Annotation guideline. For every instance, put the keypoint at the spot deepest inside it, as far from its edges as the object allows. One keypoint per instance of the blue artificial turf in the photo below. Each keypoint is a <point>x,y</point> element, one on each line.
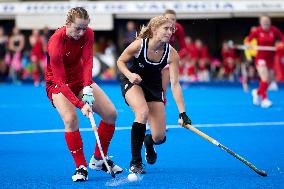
<point>186,160</point>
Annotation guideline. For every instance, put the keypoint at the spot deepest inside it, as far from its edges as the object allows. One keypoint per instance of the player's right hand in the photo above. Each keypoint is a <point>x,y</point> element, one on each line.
<point>134,78</point>
<point>86,109</point>
<point>185,119</point>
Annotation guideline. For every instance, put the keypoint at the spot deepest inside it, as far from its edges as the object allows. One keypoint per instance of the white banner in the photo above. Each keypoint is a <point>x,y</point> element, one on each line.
<point>151,7</point>
<point>102,22</point>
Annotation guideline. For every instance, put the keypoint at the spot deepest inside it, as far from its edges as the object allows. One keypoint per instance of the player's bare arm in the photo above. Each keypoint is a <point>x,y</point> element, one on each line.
<point>127,54</point>
<point>174,78</point>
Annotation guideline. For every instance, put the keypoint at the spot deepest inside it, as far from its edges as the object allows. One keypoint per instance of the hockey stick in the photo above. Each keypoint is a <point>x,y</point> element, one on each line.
<point>245,47</point>
<point>215,142</point>
<point>92,120</point>
<point>261,48</point>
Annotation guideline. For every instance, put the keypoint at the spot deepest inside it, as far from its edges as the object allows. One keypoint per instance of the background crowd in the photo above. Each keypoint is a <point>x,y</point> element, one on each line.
<point>22,57</point>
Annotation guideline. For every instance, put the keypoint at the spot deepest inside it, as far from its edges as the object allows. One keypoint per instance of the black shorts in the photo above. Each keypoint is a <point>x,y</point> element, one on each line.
<point>152,94</point>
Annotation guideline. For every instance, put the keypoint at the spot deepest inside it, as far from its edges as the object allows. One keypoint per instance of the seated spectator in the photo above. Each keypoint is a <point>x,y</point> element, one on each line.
<point>37,57</point>
<point>202,61</point>
<point>228,62</point>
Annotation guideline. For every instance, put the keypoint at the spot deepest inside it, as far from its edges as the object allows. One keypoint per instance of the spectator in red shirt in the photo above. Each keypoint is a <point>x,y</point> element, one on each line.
<point>69,85</point>
<point>228,60</point>
<point>188,63</point>
<point>37,57</point>
<point>202,60</point>
<point>191,48</point>
<point>266,35</point>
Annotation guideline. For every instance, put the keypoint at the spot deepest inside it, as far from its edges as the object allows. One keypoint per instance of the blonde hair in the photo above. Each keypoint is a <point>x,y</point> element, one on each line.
<point>147,31</point>
<point>77,12</point>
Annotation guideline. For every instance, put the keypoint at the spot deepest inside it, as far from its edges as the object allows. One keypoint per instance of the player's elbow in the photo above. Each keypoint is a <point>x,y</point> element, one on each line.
<point>120,64</point>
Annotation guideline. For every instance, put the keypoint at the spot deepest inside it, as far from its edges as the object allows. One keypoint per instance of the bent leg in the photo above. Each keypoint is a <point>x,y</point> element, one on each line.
<point>103,105</point>
<point>106,110</point>
<point>158,128</point>
<point>158,121</point>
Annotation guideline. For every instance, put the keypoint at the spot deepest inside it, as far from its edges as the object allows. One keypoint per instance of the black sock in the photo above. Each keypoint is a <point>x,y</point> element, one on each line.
<point>148,140</point>
<point>137,138</point>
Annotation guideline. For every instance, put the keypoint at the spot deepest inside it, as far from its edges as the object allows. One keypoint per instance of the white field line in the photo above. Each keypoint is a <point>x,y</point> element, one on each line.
<point>168,126</point>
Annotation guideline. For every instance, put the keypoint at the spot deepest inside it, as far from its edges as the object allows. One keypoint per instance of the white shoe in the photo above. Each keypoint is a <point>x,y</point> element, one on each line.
<point>81,174</point>
<point>99,165</point>
<point>266,103</point>
<point>255,97</point>
<point>273,86</point>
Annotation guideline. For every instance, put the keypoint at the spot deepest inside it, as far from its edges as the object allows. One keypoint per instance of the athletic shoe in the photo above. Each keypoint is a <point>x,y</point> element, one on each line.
<point>266,103</point>
<point>273,86</point>
<point>255,97</point>
<point>81,174</point>
<point>98,164</point>
<point>137,167</point>
<point>150,153</point>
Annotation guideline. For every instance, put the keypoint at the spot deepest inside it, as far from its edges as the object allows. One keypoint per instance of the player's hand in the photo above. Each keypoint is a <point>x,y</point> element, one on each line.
<point>134,78</point>
<point>86,109</point>
<point>184,119</point>
<point>88,95</point>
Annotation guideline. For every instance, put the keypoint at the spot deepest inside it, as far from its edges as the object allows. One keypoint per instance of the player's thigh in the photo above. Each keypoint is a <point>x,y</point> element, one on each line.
<point>157,117</point>
<point>103,105</point>
<point>65,108</point>
<point>136,99</point>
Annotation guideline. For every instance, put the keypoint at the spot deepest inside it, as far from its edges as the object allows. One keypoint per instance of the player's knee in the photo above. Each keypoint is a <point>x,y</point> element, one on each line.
<point>142,115</point>
<point>111,116</point>
<point>159,140</point>
<point>70,120</point>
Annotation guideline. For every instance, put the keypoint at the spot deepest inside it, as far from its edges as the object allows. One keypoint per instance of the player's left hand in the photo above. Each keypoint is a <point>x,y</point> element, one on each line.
<point>185,119</point>
<point>88,96</point>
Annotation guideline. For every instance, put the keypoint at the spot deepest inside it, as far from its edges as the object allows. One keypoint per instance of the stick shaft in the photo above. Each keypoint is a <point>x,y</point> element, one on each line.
<point>261,48</point>
<point>213,141</point>
<point>93,123</point>
<point>239,157</point>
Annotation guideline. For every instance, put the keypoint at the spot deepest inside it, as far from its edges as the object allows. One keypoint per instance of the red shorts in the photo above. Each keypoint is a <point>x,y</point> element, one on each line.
<point>268,62</point>
<point>51,88</point>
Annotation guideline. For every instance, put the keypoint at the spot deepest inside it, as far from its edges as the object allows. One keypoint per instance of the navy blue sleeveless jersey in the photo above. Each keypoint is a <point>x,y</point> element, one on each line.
<point>149,71</point>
